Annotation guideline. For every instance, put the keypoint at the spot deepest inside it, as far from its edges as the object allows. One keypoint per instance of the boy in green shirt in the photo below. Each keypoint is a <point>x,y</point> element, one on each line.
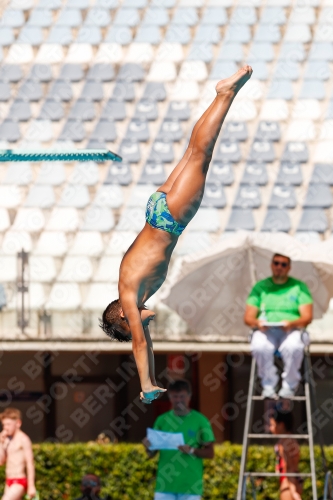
<point>277,309</point>
<point>180,472</point>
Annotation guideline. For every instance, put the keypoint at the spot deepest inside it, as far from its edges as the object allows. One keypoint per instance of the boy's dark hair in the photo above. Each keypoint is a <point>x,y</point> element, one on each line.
<point>180,385</point>
<point>112,321</point>
<point>285,417</point>
<point>284,256</point>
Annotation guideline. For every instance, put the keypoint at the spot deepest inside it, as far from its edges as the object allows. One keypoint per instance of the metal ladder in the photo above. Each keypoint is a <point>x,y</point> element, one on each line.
<point>243,474</point>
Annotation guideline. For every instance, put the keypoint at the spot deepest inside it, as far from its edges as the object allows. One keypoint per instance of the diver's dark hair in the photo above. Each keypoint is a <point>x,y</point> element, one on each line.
<point>285,417</point>
<point>111,321</point>
<point>180,385</point>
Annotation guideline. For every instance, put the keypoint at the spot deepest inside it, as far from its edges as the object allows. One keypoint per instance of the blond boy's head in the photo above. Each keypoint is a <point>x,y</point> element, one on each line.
<point>11,420</point>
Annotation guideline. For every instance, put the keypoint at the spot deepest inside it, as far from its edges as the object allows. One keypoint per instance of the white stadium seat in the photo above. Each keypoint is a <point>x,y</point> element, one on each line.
<point>64,297</point>
<point>76,268</point>
<point>52,243</point>
<point>108,269</point>
<point>89,243</point>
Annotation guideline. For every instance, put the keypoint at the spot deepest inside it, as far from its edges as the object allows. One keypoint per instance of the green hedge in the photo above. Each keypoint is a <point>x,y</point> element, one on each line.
<point>127,474</point>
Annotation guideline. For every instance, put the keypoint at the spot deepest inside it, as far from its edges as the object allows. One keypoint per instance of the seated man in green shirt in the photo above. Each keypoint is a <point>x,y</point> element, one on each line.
<point>180,472</point>
<point>277,309</point>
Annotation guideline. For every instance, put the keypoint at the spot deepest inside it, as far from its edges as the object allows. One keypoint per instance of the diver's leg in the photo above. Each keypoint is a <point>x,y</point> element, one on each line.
<point>186,192</point>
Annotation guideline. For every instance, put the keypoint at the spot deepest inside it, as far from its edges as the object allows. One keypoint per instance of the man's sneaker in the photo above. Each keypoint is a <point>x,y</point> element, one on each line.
<point>286,393</point>
<point>269,392</point>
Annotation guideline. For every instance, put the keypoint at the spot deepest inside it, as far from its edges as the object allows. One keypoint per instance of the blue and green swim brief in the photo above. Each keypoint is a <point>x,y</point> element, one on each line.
<point>158,215</point>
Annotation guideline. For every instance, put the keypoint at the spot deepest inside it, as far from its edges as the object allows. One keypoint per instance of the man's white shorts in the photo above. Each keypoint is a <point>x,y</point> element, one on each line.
<point>175,496</point>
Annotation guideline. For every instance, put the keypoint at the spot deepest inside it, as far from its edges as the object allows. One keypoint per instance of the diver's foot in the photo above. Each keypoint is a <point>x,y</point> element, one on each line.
<point>235,82</point>
<point>149,397</point>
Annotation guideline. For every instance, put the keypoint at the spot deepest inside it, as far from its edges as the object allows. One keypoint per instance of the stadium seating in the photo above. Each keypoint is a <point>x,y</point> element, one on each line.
<point>134,76</point>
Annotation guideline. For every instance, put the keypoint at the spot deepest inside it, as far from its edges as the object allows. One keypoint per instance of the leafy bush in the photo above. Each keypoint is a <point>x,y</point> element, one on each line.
<point>127,474</point>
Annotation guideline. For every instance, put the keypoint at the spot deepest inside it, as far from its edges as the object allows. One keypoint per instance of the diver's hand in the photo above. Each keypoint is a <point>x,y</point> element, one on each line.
<point>153,393</point>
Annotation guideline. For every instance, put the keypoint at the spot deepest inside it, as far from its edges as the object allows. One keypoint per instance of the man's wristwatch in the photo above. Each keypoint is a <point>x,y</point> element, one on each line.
<point>192,450</point>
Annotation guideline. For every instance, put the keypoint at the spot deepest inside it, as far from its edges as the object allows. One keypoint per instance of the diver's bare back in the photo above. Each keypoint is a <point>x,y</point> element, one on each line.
<point>145,264</point>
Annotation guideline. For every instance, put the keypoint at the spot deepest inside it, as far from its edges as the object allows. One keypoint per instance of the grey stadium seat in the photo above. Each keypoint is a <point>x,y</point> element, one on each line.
<point>41,196</point>
<point>178,110</point>
<point>60,91</point>
<point>255,173</point>
<point>240,218</point>
<point>153,173</point>
<point>321,51</point>
<point>42,18</point>
<point>170,130</point>
<point>235,131</point>
<point>30,91</point>
<point>41,73</point>
<point>74,195</point>
<point>215,15</point>
<point>281,89</point>
<point>52,110</point>
<point>282,197</point>
<point>119,34</point>
<point>273,15</point>
<point>71,73</point>
<point>20,111</point>
<point>127,17</point>
<point>262,151</point>
<point>19,174</point>
<point>131,72</point>
<point>214,196</point>
<point>267,33</point>
<point>293,51</point>
<point>156,16</point>
<point>105,130</point>
<point>119,173</point>
<point>154,91</point>
<point>130,151</point>
<point>97,17</point>
<point>49,4</point>
<point>231,52</point>
<point>12,18</point>
<point>268,131</point>
<point>31,34</point>
<point>114,110</point>
<point>318,196</point>
<point>222,69</point>
<point>161,151</point>
<point>312,89</point>
<point>244,15</point>
<point>221,172</point>
<point>295,152</point>
<point>286,70</point>
<point>60,34</point>
<point>329,111</point>
<point>6,35</point>
<point>138,130</point>
<point>5,92</point>
<point>78,4</point>
<point>322,173</point>
<point>290,174</point>
<point>201,52</point>
<point>98,219</point>
<point>146,110</point>
<point>207,34</point>
<point>101,73</point>
<point>276,220</point>
<point>82,110</point>
<point>238,33</point>
<point>92,91</point>
<point>259,68</point>
<point>248,196</point>
<point>228,151</point>
<point>9,131</point>
<point>185,15</point>
<point>177,33</point>
<point>138,4</point>
<point>11,73</point>
<point>124,91</point>
<point>317,69</point>
<point>70,17</point>
<point>262,51</point>
<point>73,131</point>
<point>96,144</point>
<point>148,34</point>
<point>313,219</point>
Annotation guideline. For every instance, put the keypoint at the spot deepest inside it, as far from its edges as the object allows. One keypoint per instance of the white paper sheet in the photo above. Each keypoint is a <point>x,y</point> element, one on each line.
<point>160,440</point>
